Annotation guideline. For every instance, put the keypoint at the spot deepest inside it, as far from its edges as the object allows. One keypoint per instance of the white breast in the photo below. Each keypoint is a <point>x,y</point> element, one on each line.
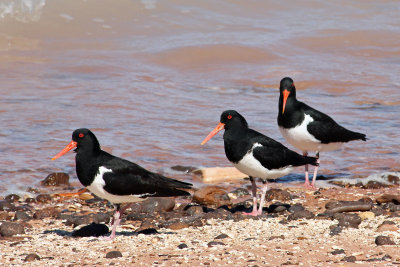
<point>97,188</point>
<point>252,167</point>
<point>300,138</point>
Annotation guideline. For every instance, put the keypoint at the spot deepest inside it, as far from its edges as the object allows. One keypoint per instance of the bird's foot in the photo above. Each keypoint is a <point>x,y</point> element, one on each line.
<point>309,186</point>
<point>107,238</point>
<point>253,213</point>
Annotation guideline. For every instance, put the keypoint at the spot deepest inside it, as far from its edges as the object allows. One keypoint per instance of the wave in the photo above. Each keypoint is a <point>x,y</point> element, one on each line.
<point>21,10</point>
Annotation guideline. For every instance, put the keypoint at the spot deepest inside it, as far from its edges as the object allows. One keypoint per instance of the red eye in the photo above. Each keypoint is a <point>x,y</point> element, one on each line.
<point>81,135</point>
<point>229,117</point>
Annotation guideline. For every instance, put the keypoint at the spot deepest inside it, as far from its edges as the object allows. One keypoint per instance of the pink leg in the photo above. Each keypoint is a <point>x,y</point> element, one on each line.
<point>115,222</point>
<point>254,192</point>
<point>315,173</point>
<point>263,192</point>
<point>307,181</point>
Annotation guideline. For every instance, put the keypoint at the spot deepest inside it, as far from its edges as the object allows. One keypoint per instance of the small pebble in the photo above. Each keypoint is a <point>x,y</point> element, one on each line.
<point>32,257</point>
<point>113,254</point>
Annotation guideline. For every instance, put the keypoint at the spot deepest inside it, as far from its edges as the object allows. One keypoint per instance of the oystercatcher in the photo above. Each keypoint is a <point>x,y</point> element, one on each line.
<point>309,129</point>
<point>116,179</point>
<point>256,154</point>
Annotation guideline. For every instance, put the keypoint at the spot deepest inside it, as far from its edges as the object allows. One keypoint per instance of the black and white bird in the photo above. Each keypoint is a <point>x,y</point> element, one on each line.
<point>255,154</point>
<point>309,129</point>
<point>115,179</point>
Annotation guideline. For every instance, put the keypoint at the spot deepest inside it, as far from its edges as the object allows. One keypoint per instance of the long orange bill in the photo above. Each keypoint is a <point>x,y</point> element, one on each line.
<point>70,146</point>
<point>219,127</point>
<point>285,96</point>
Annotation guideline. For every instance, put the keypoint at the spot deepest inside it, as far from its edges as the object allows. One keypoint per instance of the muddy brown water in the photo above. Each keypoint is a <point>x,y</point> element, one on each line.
<point>151,79</point>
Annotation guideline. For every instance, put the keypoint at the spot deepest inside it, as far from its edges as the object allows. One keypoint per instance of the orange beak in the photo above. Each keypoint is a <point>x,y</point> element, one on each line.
<point>70,146</point>
<point>219,127</point>
<point>286,94</point>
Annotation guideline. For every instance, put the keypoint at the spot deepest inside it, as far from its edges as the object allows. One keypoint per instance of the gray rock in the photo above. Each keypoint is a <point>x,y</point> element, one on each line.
<point>113,254</point>
<point>8,229</point>
<point>348,220</point>
<point>384,240</point>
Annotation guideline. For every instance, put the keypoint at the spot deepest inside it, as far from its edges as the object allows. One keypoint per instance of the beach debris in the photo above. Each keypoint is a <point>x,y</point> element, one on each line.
<point>219,174</point>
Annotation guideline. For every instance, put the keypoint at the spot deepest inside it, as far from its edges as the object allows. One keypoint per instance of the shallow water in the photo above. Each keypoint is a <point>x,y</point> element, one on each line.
<point>151,79</point>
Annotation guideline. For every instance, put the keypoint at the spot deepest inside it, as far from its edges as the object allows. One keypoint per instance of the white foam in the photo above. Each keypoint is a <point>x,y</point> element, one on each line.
<point>22,10</point>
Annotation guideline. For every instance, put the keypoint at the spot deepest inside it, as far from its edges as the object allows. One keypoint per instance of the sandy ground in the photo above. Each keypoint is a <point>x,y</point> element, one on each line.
<point>263,241</point>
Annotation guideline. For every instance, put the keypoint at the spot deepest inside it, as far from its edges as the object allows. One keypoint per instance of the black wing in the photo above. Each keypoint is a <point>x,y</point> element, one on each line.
<point>325,129</point>
<point>128,178</point>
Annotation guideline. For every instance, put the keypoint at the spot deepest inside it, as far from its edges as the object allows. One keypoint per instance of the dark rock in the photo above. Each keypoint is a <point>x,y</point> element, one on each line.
<point>171,215</point>
<point>211,196</point>
<point>335,230</point>
<point>154,205</point>
<point>393,179</point>
<point>277,194</point>
<point>146,224</point>
<point>337,252</point>
<point>378,211</point>
<point>296,207</point>
<point>240,192</point>
<point>386,257</point>
<point>32,190</point>
<point>302,214</point>
<point>30,200</point>
<point>220,213</point>
<point>12,198</point>
<point>388,198</point>
<point>32,257</point>
<point>137,216</point>
<point>374,185</point>
<point>10,228</point>
<point>182,246</point>
<point>43,198</point>
<point>345,206</point>
<point>78,220</point>
<point>221,236</point>
<point>93,229</point>
<point>7,206</point>
<point>384,240</point>
<point>215,243</point>
<point>278,207</point>
<point>395,208</point>
<point>185,169</point>
<point>367,200</point>
<point>238,216</point>
<point>148,231</point>
<point>194,210</point>
<point>46,212</point>
<point>113,254</point>
<point>101,217</point>
<point>56,179</point>
<point>349,259</point>
<point>348,220</point>
<point>388,222</point>
<point>22,216</point>
<point>183,222</point>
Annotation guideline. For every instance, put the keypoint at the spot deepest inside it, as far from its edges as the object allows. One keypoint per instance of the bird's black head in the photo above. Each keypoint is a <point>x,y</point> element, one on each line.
<point>83,140</point>
<point>229,119</point>
<point>286,90</point>
<point>232,118</point>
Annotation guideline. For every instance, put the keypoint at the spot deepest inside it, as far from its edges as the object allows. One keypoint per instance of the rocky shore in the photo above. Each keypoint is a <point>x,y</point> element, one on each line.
<point>337,226</point>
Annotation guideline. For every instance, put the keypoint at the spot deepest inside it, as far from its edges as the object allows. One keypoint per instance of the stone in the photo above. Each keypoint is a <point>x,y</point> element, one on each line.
<point>185,169</point>
<point>335,230</point>
<point>101,217</point>
<point>394,179</point>
<point>384,240</point>
<point>56,179</point>
<point>374,185</point>
<point>385,198</point>
<point>79,220</point>
<point>302,214</point>
<point>8,229</point>
<point>387,227</point>
<point>7,206</point>
<point>148,231</point>
<point>154,205</point>
<point>348,220</point>
<point>338,251</point>
<point>4,216</point>
<point>182,246</point>
<point>183,222</point>
<point>46,212</point>
<point>277,194</point>
<point>213,196</point>
<point>220,213</point>
<point>215,243</point>
<point>12,198</point>
<point>296,207</point>
<point>278,207</point>
<point>93,229</point>
<point>349,259</point>
<point>113,254</point>
<point>22,216</point>
<point>43,198</point>
<point>219,174</point>
<point>30,200</point>
<point>32,257</point>
<point>240,192</point>
<point>378,211</point>
<point>346,206</point>
<point>395,208</point>
<point>221,236</point>
<point>194,210</point>
<point>367,215</point>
